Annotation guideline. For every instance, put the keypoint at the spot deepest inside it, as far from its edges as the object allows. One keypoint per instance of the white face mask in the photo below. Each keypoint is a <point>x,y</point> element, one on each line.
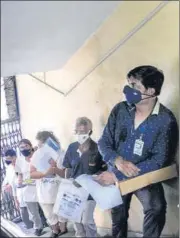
<point>82,138</point>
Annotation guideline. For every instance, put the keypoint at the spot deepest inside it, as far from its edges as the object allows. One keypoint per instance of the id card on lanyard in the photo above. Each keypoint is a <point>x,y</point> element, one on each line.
<point>139,143</point>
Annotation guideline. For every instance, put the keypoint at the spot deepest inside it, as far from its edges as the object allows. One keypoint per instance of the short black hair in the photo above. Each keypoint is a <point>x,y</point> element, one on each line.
<point>10,152</point>
<point>150,77</point>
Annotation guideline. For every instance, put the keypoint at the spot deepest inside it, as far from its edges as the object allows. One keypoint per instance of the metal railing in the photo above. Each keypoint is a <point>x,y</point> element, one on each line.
<point>10,137</point>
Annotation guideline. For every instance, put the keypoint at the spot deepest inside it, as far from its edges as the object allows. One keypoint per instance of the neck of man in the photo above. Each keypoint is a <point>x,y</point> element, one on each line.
<point>146,108</point>
<point>85,146</point>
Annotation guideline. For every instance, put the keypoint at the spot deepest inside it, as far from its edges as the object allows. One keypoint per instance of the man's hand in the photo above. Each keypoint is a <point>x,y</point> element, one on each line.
<point>106,178</point>
<point>126,167</point>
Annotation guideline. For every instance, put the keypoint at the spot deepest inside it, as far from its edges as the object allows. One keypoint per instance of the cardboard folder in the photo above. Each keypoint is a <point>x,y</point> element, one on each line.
<point>142,181</point>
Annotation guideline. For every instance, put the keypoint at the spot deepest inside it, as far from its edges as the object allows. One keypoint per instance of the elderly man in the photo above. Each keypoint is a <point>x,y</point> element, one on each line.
<point>141,136</point>
<point>82,157</point>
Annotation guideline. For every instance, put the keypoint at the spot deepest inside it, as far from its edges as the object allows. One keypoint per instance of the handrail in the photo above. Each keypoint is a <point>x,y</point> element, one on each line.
<point>11,228</point>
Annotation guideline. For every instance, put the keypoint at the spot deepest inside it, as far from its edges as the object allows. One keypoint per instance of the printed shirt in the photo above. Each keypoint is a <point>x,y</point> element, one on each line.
<point>159,133</point>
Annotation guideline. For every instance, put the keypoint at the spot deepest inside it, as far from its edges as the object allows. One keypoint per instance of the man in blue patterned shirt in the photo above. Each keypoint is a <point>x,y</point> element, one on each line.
<point>141,136</point>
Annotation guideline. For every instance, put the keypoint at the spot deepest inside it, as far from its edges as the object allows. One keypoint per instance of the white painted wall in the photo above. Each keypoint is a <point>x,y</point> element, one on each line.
<point>39,36</point>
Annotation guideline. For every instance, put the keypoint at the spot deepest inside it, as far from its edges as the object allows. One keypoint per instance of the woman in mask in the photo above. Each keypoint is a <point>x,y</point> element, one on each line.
<point>10,183</point>
<point>48,182</point>
<point>30,194</point>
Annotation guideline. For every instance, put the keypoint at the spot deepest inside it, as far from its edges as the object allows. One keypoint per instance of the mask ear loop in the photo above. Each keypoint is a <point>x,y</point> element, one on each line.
<point>147,97</point>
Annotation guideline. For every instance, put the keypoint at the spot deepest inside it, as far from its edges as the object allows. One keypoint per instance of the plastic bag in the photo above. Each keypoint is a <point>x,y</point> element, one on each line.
<point>70,201</point>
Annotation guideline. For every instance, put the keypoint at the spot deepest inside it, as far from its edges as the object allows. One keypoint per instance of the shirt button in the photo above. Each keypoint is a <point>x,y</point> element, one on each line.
<point>129,146</point>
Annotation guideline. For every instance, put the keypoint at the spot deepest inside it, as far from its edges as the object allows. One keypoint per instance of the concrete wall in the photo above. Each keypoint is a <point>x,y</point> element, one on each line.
<point>155,43</point>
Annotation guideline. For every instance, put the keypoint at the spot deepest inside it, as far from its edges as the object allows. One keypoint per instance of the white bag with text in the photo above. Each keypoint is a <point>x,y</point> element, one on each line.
<point>70,201</point>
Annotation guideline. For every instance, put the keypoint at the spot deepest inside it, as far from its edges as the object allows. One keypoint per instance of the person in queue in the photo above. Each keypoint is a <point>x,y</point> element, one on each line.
<point>10,182</point>
<point>82,157</point>
<point>47,186</point>
<point>30,193</point>
<point>141,136</point>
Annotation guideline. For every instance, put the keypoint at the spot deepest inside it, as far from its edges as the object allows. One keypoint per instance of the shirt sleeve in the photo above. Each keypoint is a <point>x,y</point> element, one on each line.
<point>164,149</point>
<point>96,164</point>
<point>67,159</point>
<point>107,141</point>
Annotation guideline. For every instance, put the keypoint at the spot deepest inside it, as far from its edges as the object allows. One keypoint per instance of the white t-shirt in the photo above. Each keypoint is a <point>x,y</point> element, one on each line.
<point>29,191</point>
<point>10,178</point>
<point>47,188</point>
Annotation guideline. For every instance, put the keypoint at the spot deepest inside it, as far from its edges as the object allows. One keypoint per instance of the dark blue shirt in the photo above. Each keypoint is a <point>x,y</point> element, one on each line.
<point>90,162</point>
<point>159,132</point>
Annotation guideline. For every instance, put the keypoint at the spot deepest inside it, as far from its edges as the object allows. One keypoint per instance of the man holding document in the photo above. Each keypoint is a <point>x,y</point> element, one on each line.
<point>82,157</point>
<point>141,136</point>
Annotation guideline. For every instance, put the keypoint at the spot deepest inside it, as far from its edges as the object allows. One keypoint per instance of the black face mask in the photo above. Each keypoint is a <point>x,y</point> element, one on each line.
<point>8,162</point>
<point>26,152</point>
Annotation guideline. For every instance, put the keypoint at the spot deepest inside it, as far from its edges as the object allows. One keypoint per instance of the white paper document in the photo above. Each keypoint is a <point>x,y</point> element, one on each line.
<point>106,197</point>
<point>42,157</point>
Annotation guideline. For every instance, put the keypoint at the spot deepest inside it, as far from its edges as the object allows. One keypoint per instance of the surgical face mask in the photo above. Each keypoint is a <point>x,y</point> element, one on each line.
<point>82,138</point>
<point>26,152</point>
<point>134,96</point>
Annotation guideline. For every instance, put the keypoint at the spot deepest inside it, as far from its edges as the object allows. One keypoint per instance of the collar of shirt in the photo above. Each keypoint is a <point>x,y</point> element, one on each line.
<point>79,152</point>
<point>90,149</point>
<point>155,110</point>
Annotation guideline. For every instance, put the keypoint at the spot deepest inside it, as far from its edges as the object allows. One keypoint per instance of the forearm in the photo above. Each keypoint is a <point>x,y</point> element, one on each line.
<point>60,172</point>
<point>36,175</point>
<point>120,176</point>
<point>108,153</point>
<point>149,166</point>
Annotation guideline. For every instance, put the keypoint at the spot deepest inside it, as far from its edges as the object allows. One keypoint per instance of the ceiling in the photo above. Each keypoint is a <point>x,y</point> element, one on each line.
<point>39,36</point>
